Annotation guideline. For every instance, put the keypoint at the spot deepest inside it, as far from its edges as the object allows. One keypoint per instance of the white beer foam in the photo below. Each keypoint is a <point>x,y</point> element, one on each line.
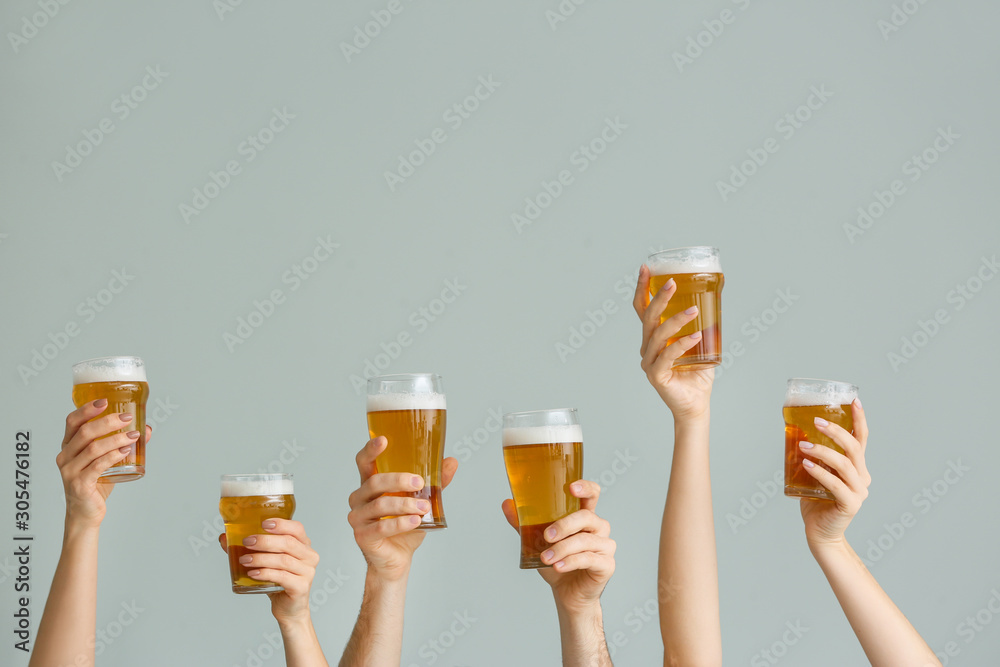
<point>700,263</point>
<point>541,435</point>
<point>109,370</point>
<point>406,401</point>
<point>259,487</point>
<point>833,395</point>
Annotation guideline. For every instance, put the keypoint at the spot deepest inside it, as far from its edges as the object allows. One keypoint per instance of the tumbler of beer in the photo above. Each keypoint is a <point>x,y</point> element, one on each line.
<point>121,380</point>
<point>410,411</point>
<point>698,274</point>
<point>543,454</point>
<point>806,399</point>
<point>247,501</point>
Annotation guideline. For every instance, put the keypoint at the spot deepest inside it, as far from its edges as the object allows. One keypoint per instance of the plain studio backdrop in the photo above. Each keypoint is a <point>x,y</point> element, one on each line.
<point>265,200</point>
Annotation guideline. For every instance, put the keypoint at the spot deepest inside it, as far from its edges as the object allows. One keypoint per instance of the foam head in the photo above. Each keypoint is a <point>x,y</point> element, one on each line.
<point>237,486</point>
<point>406,401</point>
<point>109,369</point>
<point>542,435</point>
<point>698,259</point>
<point>807,391</point>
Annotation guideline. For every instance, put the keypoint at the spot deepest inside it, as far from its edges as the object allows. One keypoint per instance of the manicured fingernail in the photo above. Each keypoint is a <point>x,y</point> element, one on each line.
<point>821,422</point>
<point>416,482</point>
<point>857,402</point>
<point>695,336</point>
<point>132,435</point>
<point>246,560</point>
<point>548,555</point>
<point>126,449</point>
<point>253,573</point>
<point>560,565</point>
<point>550,534</point>
<point>269,524</point>
<point>423,506</point>
<point>807,463</point>
<point>691,311</point>
<point>414,520</point>
<point>667,285</point>
<point>805,445</point>
<point>125,417</point>
<point>576,487</point>
<point>101,403</point>
<point>250,541</point>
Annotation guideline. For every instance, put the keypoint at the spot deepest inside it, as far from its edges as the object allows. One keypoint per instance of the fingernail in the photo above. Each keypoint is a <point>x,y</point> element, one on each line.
<point>269,524</point>
<point>576,488</point>
<point>548,555</point>
<point>807,463</point>
<point>857,401</point>
<point>416,482</point>
<point>253,573</point>
<point>821,422</point>
<point>414,520</point>
<point>250,541</point>
<point>805,445</point>
<point>246,560</point>
<point>125,417</point>
<point>132,434</point>
<point>101,403</point>
<point>126,449</point>
<point>695,336</point>
<point>423,506</point>
<point>667,285</point>
<point>550,533</point>
<point>560,565</point>
<point>691,311</point>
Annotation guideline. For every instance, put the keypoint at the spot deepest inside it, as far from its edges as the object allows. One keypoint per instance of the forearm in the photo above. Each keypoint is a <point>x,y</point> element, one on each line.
<point>378,635</point>
<point>582,636</point>
<point>688,585</point>
<point>302,647</point>
<point>886,636</point>
<point>66,631</point>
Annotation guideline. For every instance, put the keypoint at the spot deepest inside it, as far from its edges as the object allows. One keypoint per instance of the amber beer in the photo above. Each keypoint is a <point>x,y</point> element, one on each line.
<point>411,412</point>
<point>247,501</point>
<point>698,274</point>
<point>543,454</point>
<point>121,380</point>
<point>806,399</point>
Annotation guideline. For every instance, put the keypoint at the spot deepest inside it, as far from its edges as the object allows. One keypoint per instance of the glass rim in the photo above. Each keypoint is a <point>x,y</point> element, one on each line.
<point>111,358</point>
<point>849,385</point>
<point>687,247</point>
<point>535,412</point>
<point>403,376</point>
<point>255,476</point>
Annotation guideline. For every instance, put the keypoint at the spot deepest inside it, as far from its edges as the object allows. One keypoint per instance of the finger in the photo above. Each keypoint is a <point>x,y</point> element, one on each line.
<point>671,353</point>
<point>280,544</point>
<point>841,465</point>
<point>510,512</point>
<point>588,492</point>
<point>581,521</point>
<point>92,430</point>
<point>384,506</point>
<point>277,526</point>
<point>641,298</point>
<point>119,442</point>
<point>293,584</point>
<point>578,543</point>
<point>81,416</point>
<point>90,474</point>
<point>385,482</point>
<point>860,423</point>
<point>224,542</point>
<point>386,528</point>
<point>276,561</point>
<point>448,469</point>
<point>366,457</point>
<point>852,448</point>
<point>665,332</point>
<point>651,318</point>
<point>830,482</point>
<point>149,433</point>
<point>601,566</point>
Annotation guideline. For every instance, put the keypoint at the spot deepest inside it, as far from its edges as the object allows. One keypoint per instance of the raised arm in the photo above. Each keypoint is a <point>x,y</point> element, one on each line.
<point>66,633</point>
<point>885,634</point>
<point>388,545</point>
<point>688,581</point>
<point>582,557</point>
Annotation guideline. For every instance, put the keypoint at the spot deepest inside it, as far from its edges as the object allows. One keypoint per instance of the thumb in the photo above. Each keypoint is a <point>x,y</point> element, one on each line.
<point>224,543</point>
<point>510,512</point>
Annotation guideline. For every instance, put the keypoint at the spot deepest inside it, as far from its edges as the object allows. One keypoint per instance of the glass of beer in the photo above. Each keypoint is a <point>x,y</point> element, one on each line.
<point>805,400</point>
<point>121,380</point>
<point>543,454</point>
<point>698,274</point>
<point>247,501</point>
<point>410,411</point>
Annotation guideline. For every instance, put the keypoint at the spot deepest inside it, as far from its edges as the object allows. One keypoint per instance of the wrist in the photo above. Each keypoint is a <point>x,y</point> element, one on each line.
<point>692,422</point>
<point>77,526</point>
<point>579,610</point>
<point>394,577</point>
<point>296,623</point>
<point>824,549</point>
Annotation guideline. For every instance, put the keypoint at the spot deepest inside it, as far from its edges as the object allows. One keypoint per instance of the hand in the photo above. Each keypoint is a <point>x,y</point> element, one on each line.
<point>284,557</point>
<point>582,553</point>
<point>388,544</point>
<point>686,393</point>
<point>86,453</point>
<point>825,521</point>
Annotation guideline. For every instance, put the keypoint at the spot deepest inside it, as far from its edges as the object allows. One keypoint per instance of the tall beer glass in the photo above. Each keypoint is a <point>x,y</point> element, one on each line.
<point>543,454</point>
<point>246,502</point>
<point>698,274</point>
<point>410,411</point>
<point>121,380</point>
<point>806,399</point>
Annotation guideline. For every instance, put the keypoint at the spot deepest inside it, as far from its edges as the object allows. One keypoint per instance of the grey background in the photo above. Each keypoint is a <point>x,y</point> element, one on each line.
<point>496,344</point>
